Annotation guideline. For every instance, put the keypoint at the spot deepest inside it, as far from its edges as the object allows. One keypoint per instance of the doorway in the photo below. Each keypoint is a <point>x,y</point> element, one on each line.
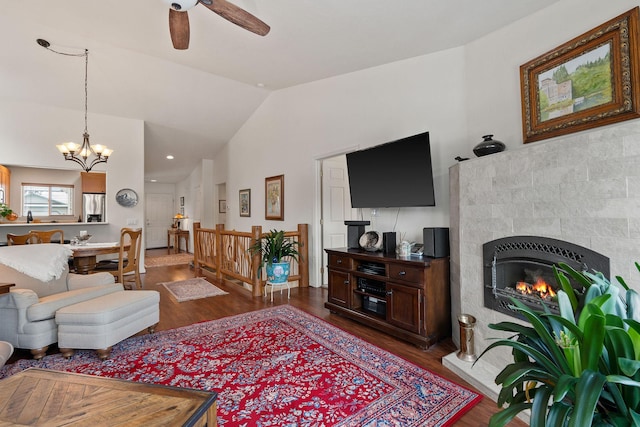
<point>335,207</point>
<point>159,213</point>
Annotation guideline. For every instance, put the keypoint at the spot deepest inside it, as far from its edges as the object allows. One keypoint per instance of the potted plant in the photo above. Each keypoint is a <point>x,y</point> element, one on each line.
<point>577,368</point>
<point>273,247</point>
<point>7,213</point>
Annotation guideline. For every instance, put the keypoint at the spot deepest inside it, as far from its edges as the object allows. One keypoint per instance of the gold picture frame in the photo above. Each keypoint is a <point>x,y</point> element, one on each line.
<point>274,197</point>
<point>587,82</point>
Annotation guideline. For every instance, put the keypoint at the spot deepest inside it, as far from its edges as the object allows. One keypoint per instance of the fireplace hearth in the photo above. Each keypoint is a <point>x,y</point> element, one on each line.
<point>521,267</point>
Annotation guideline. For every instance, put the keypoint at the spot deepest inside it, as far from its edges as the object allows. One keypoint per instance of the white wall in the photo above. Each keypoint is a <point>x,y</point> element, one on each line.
<point>457,95</point>
<point>29,133</point>
<point>297,126</point>
<point>493,62</point>
<point>581,187</point>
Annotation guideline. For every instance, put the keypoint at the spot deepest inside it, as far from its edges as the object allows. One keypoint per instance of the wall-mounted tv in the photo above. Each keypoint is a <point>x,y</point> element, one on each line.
<point>395,174</point>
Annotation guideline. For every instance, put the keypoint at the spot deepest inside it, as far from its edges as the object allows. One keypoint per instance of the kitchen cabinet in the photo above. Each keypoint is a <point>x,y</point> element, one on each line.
<point>5,184</point>
<point>94,182</point>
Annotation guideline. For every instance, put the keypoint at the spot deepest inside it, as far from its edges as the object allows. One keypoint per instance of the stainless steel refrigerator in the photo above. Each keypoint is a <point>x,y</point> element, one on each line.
<point>93,207</point>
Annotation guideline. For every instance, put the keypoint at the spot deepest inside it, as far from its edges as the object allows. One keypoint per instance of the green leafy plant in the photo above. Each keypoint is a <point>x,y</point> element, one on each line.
<point>577,368</point>
<point>273,247</point>
<point>5,211</point>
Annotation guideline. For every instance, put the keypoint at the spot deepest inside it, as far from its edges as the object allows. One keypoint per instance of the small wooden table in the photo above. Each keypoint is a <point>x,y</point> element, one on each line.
<point>84,256</point>
<point>43,397</point>
<point>4,287</point>
<point>177,234</point>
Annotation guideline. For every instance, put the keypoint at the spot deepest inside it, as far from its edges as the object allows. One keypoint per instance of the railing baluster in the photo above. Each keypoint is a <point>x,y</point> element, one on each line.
<point>226,253</point>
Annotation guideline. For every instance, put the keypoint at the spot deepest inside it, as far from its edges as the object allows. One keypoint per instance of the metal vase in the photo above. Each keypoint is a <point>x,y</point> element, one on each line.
<point>467,347</point>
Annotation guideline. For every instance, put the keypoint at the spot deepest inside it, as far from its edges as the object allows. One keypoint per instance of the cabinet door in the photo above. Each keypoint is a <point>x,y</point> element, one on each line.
<point>94,182</point>
<point>403,306</point>
<point>5,180</point>
<point>339,288</point>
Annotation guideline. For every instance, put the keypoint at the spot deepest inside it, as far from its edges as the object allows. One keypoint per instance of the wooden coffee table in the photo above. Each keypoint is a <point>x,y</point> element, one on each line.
<point>4,287</point>
<point>43,397</point>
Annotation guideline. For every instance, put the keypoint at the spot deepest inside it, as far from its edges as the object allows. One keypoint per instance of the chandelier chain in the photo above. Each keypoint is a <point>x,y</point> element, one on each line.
<point>86,90</point>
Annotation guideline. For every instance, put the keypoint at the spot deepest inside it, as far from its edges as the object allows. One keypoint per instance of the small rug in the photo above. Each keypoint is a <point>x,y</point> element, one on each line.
<point>190,289</point>
<point>279,366</point>
<point>173,259</point>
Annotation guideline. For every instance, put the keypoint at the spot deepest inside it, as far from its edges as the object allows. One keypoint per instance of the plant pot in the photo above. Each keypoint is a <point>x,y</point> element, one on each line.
<point>278,272</point>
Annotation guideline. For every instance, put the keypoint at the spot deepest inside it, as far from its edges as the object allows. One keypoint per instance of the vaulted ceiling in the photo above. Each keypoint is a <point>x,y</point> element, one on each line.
<point>200,97</point>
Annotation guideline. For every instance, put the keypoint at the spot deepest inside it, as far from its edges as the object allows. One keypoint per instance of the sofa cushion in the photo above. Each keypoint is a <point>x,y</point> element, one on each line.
<point>108,308</point>
<point>22,281</point>
<point>47,306</point>
<point>79,281</point>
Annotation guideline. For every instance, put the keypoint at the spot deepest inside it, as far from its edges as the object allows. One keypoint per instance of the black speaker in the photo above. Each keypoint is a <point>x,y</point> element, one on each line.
<point>389,242</point>
<point>355,229</point>
<point>436,242</point>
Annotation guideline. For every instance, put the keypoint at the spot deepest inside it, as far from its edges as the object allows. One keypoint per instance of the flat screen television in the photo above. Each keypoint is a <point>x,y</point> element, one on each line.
<point>395,174</point>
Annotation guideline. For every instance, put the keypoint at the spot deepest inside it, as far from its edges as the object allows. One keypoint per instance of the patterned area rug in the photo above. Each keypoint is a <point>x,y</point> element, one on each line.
<point>280,367</point>
<point>190,289</point>
<point>173,259</point>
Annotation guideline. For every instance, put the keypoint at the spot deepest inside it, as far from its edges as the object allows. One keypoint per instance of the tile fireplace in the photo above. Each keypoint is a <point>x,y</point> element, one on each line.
<point>583,189</point>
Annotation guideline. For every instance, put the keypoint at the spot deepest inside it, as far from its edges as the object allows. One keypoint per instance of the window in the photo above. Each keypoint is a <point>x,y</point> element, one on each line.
<point>47,199</point>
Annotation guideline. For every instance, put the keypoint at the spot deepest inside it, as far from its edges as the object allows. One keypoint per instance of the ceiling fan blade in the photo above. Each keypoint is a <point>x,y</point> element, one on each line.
<point>238,16</point>
<point>179,29</point>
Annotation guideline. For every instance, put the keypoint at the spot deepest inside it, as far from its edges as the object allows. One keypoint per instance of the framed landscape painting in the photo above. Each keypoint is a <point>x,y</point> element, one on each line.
<point>587,82</point>
<point>245,202</point>
<point>274,197</point>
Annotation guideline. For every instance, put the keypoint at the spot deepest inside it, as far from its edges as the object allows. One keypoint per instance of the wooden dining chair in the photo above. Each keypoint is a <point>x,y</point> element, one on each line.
<point>22,239</point>
<point>46,236</point>
<point>128,259</point>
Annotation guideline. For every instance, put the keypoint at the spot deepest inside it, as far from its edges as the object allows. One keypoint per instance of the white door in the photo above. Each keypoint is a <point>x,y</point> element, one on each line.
<point>336,206</point>
<point>159,213</point>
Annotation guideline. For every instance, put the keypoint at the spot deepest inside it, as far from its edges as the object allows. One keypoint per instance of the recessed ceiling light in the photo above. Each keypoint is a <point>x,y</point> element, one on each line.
<point>170,157</point>
<point>154,180</point>
<point>260,84</point>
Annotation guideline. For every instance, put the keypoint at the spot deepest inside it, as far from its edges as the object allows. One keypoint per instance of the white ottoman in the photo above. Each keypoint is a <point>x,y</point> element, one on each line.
<point>101,322</point>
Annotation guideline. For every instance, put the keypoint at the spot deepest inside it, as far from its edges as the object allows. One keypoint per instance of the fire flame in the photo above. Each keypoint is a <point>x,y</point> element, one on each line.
<point>540,288</point>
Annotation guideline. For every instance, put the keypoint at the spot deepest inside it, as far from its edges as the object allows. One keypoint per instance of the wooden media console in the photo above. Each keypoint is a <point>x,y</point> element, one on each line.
<point>407,297</point>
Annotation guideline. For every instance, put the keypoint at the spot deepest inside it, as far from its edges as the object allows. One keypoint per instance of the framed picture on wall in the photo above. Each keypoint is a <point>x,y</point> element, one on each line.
<point>587,82</point>
<point>245,202</point>
<point>222,206</point>
<point>274,197</point>
<point>182,201</point>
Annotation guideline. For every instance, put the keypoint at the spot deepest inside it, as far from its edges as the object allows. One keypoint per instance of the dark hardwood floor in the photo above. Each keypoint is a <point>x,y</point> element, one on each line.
<point>174,314</point>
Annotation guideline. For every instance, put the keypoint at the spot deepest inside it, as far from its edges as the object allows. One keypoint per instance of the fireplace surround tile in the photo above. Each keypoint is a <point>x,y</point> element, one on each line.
<point>585,189</point>
<point>537,226</point>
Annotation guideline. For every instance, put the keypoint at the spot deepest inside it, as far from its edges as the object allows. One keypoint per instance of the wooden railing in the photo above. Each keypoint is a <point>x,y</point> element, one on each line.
<point>225,253</point>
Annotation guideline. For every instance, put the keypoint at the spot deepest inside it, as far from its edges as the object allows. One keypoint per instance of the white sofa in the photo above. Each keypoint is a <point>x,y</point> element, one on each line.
<point>27,312</point>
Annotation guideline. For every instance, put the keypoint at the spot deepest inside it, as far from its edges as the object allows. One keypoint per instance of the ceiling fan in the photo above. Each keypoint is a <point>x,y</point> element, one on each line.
<point>179,20</point>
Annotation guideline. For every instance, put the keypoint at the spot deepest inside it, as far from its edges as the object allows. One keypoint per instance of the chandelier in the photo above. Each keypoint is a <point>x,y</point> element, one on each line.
<point>86,155</point>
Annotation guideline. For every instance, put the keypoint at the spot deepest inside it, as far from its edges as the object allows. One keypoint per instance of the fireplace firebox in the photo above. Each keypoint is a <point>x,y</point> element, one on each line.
<point>521,267</point>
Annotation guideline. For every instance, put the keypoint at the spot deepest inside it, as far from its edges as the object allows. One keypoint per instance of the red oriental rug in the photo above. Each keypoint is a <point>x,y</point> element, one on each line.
<point>280,367</point>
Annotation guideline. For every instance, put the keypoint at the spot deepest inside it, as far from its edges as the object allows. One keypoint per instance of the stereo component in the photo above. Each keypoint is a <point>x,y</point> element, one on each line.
<point>436,242</point>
